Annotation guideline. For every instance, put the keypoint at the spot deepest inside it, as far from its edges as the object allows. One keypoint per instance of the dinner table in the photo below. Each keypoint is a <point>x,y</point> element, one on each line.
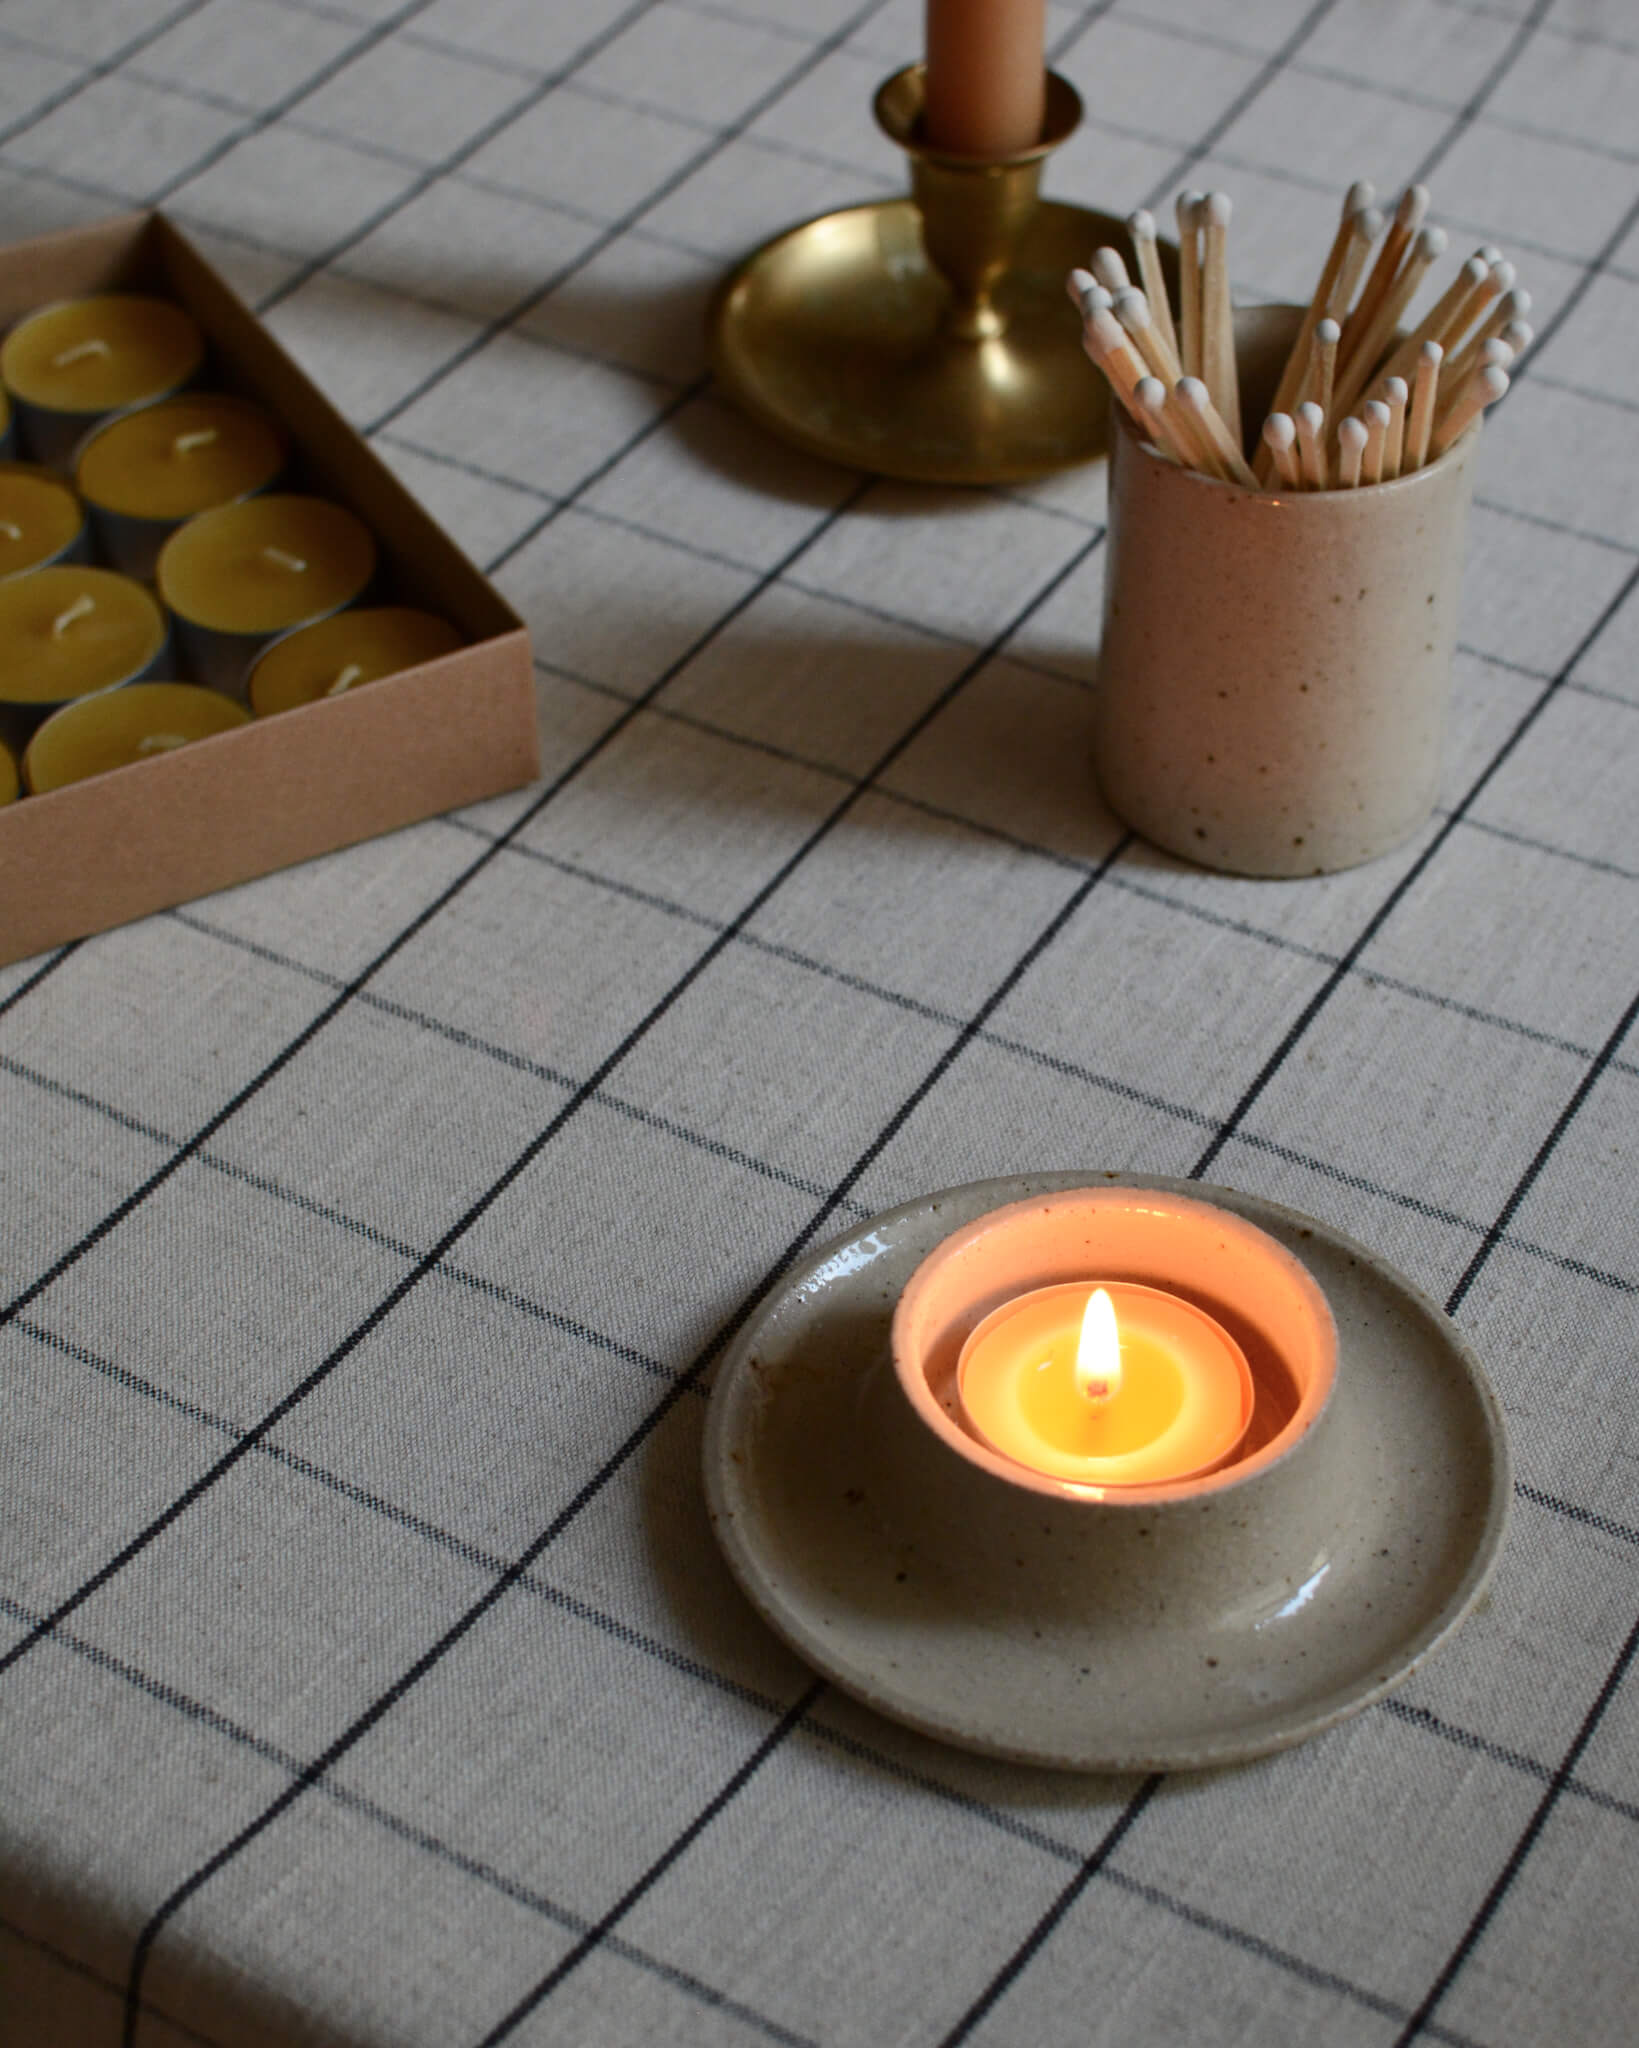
<point>375,1231</point>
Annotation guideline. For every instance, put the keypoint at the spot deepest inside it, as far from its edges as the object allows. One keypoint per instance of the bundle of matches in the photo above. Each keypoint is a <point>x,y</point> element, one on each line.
<point>1353,406</point>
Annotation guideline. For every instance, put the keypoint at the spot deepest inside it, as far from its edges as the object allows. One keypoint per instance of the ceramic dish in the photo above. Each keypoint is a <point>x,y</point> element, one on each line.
<point>1109,1638</point>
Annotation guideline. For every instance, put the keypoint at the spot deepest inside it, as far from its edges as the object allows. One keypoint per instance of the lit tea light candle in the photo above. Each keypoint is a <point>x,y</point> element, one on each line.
<point>146,472</point>
<point>1120,1385</point>
<point>68,365</point>
<point>341,653</point>
<point>239,575</point>
<point>985,92</point>
<point>66,632</point>
<point>41,520</point>
<point>120,727</point>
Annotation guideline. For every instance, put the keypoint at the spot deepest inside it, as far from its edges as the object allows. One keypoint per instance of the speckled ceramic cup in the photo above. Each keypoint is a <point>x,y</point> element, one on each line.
<point>1275,665</point>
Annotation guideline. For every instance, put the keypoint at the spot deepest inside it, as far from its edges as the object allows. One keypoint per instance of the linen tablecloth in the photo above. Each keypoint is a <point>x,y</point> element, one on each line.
<point>367,1672</point>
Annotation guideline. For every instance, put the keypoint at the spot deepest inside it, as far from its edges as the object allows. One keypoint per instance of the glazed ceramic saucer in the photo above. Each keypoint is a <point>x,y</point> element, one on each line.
<point>1101,1636</point>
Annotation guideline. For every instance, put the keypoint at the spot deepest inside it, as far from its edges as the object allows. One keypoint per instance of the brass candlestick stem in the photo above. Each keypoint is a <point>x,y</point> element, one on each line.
<point>927,337</point>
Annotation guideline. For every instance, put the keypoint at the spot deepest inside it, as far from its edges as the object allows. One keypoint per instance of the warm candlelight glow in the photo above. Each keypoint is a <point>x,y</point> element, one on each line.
<point>1098,1350</point>
<point>1122,1386</point>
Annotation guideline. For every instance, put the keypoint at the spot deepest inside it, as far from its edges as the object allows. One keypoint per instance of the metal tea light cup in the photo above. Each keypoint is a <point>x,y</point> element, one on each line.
<point>1276,665</point>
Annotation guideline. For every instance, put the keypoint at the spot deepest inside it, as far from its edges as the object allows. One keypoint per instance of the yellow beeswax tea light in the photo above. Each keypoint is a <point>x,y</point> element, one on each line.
<point>119,727</point>
<point>1114,1385</point>
<point>342,653</point>
<point>66,632</point>
<point>68,364</point>
<point>41,520</point>
<point>266,564</point>
<point>180,457</point>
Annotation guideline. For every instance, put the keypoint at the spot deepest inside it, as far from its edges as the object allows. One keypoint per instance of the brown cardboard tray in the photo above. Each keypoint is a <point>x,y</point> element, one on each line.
<point>280,789</point>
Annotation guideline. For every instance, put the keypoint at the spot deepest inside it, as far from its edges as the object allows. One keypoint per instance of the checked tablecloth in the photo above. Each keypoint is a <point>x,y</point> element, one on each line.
<point>367,1673</point>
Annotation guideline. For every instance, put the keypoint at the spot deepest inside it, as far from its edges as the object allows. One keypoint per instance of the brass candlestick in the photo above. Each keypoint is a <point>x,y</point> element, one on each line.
<point>927,337</point>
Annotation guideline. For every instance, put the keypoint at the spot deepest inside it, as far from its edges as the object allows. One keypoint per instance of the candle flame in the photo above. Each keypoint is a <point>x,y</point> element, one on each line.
<point>1098,1354</point>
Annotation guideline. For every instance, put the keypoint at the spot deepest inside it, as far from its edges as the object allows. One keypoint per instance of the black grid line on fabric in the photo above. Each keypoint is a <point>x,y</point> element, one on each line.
<point>645,1428</point>
<point>1512,51</point>
<point>1533,1172</point>
<point>1528,1839</point>
<point>1028,1949</point>
<point>43,972</point>
<point>1514,1759</point>
<point>642,1886</point>
<point>1529,518</point>
<point>354,1801</point>
<point>505,321</point>
<point>464,1223</point>
<point>428,176</point>
<point>420,1839</point>
<point>423,917</point>
<point>75,1968</point>
<point>94,72</point>
<point>1503,1883</point>
<point>457,1230</point>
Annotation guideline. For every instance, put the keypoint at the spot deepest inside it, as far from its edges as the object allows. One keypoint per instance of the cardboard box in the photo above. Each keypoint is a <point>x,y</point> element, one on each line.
<point>281,789</point>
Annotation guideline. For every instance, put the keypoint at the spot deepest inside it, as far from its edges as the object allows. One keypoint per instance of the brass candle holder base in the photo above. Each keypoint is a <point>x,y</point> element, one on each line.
<point>928,337</point>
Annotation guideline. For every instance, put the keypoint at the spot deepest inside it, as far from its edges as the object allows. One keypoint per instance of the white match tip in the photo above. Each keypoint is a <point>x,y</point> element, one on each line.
<point>1151,394</point>
<point>1488,253</point>
<point>1079,283</point>
<point>1184,207</point>
<point>1192,392</point>
<point>1132,309</point>
<point>1368,223</point>
<point>1517,303</point>
<point>1503,275</point>
<point>1493,382</point>
<point>1219,206</point>
<point>1476,270</point>
<point>1141,225</point>
<point>1498,351</point>
<point>1519,335</point>
<point>1110,271</point>
<point>1310,417</point>
<point>1432,354</point>
<point>1395,391</point>
<point>1106,330</point>
<point>1431,242</point>
<point>1280,431</point>
<point>1350,433</point>
<point>1358,197</point>
<point>1375,413</point>
<point>1328,333</point>
<point>1413,206</point>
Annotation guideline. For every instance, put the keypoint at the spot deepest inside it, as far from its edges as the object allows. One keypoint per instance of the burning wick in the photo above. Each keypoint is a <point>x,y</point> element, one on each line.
<point>185,444</point>
<point>161,742</point>
<point>78,353</point>
<point>345,681</point>
<point>294,563</point>
<point>1098,1354</point>
<point>81,608</point>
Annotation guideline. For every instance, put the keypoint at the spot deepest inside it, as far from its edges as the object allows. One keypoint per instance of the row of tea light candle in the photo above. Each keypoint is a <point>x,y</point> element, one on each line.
<point>257,582</point>
<point>1180,383</point>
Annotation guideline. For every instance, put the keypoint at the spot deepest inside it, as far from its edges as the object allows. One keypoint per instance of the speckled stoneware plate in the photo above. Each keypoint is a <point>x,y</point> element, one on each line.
<point>1102,1637</point>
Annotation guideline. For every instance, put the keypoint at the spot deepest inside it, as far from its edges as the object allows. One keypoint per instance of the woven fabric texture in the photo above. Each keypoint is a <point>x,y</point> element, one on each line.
<point>368,1675</point>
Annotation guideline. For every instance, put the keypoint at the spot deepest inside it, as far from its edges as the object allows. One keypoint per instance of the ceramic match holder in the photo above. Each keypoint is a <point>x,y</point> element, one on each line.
<point>1172,1626</point>
<point>1275,665</point>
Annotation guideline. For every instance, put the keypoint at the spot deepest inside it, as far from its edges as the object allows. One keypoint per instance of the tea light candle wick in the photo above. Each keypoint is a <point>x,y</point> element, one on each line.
<point>296,564</point>
<point>202,437</point>
<point>94,346</point>
<point>11,532</point>
<point>345,681</point>
<point>161,742</point>
<point>81,608</point>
